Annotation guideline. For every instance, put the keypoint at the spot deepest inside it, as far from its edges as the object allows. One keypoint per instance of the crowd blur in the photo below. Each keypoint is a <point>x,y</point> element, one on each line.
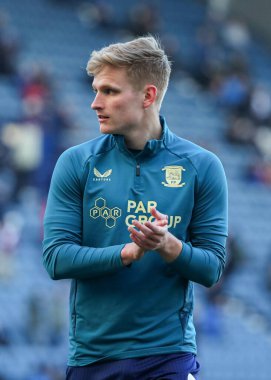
<point>222,66</point>
<point>31,142</point>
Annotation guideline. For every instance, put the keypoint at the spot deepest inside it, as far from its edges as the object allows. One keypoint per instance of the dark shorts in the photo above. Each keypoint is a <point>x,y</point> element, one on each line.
<point>156,367</point>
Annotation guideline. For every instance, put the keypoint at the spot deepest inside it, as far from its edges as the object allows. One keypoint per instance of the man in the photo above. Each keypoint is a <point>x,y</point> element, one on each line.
<point>133,218</point>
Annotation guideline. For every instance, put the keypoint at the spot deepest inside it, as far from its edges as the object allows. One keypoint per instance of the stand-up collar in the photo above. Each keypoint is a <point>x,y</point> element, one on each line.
<point>152,146</point>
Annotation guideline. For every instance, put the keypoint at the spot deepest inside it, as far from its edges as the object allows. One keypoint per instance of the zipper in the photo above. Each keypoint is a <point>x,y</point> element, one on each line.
<point>137,169</point>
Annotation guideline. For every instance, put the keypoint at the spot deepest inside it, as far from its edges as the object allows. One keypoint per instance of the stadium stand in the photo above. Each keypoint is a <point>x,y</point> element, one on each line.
<point>52,40</point>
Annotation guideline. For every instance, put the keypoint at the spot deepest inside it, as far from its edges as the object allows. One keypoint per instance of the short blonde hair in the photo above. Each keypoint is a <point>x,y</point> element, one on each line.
<point>144,59</point>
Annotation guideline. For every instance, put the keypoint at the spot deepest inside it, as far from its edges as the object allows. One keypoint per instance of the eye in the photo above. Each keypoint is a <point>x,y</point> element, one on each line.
<point>108,91</point>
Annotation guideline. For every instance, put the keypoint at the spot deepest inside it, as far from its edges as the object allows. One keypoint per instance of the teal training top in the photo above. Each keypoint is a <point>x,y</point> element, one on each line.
<point>97,189</point>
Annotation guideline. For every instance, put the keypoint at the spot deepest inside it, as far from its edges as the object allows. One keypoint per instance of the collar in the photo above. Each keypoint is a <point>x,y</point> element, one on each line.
<point>152,146</point>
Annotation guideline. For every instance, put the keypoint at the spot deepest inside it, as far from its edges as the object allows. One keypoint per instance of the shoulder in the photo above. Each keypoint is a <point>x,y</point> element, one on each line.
<point>80,154</point>
<point>71,166</point>
<point>199,157</point>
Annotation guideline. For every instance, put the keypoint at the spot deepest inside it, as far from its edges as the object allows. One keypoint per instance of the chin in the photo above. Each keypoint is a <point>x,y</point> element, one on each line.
<point>106,130</point>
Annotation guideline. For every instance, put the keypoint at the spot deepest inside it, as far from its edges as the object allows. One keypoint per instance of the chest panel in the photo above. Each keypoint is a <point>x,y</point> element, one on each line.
<point>117,192</point>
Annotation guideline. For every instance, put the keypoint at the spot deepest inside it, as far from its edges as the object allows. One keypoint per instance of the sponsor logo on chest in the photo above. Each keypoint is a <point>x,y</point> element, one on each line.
<point>105,177</point>
<point>141,211</point>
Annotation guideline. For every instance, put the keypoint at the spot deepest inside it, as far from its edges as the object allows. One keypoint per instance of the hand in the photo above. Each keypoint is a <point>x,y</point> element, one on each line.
<point>155,236</point>
<point>131,252</point>
<point>150,235</point>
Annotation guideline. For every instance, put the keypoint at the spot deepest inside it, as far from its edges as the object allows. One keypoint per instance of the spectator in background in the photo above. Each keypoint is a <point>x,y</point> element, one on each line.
<point>35,141</point>
<point>233,92</point>
<point>262,141</point>
<point>9,46</point>
<point>8,180</point>
<point>260,172</point>
<point>207,58</point>
<point>241,130</point>
<point>144,18</point>
<point>24,141</point>
<point>260,105</point>
<point>97,14</point>
<point>221,66</point>
<point>260,116</point>
<point>4,337</point>
<point>235,35</point>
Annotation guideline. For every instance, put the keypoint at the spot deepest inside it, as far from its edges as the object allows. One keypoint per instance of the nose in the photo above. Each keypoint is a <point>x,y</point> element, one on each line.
<point>97,103</point>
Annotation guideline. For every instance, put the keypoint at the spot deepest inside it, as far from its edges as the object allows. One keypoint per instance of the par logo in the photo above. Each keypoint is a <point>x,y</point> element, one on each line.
<point>100,210</point>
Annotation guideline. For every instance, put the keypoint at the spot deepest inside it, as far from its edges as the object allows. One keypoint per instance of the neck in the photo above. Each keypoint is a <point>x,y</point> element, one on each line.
<point>149,130</point>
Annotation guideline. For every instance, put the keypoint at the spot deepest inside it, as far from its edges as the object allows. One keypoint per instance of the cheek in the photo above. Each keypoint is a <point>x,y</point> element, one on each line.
<point>125,109</point>
<point>118,106</point>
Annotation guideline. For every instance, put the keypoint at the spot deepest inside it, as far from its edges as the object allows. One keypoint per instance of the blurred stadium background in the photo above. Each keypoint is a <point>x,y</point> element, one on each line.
<point>219,97</point>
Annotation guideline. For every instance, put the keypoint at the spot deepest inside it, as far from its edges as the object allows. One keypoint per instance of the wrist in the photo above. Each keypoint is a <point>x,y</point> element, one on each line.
<point>125,258</point>
<point>171,248</point>
<point>131,252</point>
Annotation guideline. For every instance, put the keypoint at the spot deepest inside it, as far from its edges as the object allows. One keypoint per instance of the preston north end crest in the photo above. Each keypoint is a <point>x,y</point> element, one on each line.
<point>173,176</point>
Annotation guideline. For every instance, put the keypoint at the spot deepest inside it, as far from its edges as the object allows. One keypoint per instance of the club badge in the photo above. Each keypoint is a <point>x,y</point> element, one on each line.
<point>173,176</point>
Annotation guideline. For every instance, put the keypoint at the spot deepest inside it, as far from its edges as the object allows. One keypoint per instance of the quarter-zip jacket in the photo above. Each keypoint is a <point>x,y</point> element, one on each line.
<point>97,189</point>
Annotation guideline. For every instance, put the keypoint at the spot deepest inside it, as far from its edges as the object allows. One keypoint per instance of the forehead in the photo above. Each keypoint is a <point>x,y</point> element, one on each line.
<point>110,75</point>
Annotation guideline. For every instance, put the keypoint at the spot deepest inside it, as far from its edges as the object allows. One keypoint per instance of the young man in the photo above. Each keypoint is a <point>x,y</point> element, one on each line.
<point>134,217</point>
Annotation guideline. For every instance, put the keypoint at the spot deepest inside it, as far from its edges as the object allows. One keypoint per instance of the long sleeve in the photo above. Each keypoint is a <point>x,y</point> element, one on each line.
<point>63,254</point>
<point>202,259</point>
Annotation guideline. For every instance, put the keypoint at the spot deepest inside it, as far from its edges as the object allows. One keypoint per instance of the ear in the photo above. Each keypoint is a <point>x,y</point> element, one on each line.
<point>150,94</point>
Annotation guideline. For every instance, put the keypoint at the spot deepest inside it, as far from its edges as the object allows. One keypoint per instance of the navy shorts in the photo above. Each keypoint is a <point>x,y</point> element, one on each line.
<point>156,367</point>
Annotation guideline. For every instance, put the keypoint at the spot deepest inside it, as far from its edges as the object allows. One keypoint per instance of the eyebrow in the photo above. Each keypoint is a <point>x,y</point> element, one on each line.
<point>103,86</point>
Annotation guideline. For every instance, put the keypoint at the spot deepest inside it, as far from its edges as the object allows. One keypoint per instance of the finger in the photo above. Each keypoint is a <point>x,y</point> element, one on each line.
<point>144,234</point>
<point>156,229</point>
<point>157,214</point>
<point>142,244</point>
<point>144,229</point>
<point>161,223</point>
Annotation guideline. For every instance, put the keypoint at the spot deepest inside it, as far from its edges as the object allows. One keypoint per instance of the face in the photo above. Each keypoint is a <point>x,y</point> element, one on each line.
<point>118,105</point>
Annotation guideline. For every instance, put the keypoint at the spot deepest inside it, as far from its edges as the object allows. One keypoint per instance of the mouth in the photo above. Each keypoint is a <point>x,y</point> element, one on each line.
<point>102,118</point>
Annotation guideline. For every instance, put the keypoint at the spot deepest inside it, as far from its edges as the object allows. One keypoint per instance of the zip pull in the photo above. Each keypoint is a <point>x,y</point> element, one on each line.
<point>137,169</point>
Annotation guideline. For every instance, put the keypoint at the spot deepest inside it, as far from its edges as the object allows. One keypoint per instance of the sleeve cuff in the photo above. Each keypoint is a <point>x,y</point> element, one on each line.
<point>184,258</point>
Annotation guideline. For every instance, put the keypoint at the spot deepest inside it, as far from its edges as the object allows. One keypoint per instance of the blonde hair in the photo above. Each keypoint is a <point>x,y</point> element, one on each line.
<point>143,58</point>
